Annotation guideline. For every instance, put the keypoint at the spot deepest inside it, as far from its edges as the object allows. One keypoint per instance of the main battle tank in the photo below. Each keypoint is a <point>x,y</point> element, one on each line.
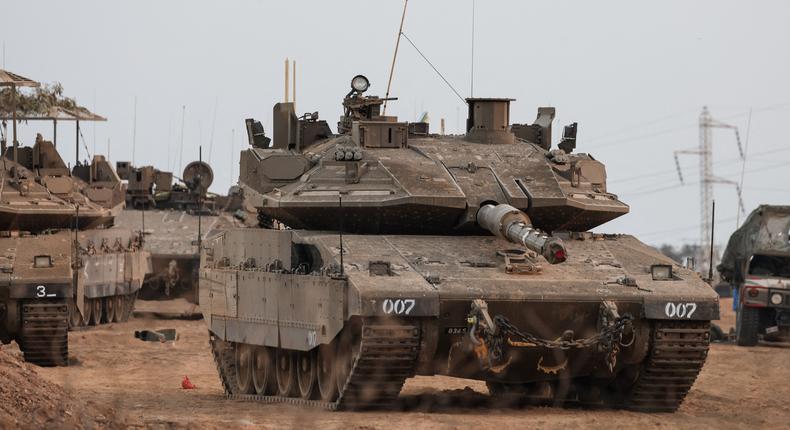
<point>173,215</point>
<point>408,253</point>
<point>53,275</point>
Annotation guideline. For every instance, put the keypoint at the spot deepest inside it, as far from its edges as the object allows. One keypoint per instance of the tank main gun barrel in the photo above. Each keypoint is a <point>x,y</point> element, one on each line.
<point>514,225</point>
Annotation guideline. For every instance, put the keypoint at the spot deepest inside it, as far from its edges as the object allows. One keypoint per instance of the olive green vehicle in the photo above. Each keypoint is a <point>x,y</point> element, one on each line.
<point>756,263</point>
<point>408,253</point>
<point>53,276</point>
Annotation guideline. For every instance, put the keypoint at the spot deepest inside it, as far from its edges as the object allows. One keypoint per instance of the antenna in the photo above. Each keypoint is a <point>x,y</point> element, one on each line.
<point>340,206</point>
<point>181,149</point>
<point>94,122</point>
<point>712,227</point>
<point>394,57</point>
<point>213,123</point>
<point>232,150</point>
<point>134,130</point>
<point>199,180</point>
<point>472,78</point>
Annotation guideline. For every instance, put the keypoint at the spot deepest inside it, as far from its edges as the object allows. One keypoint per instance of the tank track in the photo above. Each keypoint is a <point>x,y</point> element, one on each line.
<point>45,332</point>
<point>678,352</point>
<point>387,356</point>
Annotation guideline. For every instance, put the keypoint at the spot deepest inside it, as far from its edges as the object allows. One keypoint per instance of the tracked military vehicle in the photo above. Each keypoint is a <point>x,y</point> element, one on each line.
<point>756,263</point>
<point>408,253</point>
<point>62,263</point>
<point>172,214</point>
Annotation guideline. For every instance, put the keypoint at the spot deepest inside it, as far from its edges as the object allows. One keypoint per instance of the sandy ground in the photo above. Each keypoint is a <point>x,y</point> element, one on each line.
<point>738,388</point>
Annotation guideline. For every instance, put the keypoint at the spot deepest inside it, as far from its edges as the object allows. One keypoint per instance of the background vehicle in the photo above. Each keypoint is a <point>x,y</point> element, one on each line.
<point>757,263</point>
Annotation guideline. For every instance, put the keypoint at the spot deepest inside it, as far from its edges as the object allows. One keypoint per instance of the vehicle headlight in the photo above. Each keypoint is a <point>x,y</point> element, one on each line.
<point>40,261</point>
<point>776,299</point>
<point>661,272</point>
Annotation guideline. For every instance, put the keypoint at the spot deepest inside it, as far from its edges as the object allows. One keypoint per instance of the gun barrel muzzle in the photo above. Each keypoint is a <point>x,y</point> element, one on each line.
<point>514,225</point>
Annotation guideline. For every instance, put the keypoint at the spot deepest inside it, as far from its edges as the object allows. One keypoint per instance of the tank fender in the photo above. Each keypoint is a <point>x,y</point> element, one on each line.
<point>297,312</point>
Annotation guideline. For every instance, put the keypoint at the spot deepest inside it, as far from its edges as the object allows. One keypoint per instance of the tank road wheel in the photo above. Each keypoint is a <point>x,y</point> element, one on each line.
<point>75,317</point>
<point>306,373</point>
<point>286,373</point>
<point>325,372</point>
<point>96,311</point>
<point>87,308</point>
<point>263,371</point>
<point>244,367</point>
<point>109,309</point>
<point>120,308</point>
<point>747,325</point>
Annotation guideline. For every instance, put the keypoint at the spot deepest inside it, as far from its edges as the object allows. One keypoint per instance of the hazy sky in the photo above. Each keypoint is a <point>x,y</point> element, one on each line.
<point>634,75</point>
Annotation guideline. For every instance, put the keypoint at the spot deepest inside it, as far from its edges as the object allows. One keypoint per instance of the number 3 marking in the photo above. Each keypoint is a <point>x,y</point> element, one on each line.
<point>680,310</point>
<point>41,291</point>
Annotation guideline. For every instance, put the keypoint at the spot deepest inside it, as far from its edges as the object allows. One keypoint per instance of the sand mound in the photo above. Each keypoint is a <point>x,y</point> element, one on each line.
<point>27,400</point>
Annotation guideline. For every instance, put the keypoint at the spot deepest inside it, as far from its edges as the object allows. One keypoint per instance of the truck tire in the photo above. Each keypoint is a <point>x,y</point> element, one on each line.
<point>747,325</point>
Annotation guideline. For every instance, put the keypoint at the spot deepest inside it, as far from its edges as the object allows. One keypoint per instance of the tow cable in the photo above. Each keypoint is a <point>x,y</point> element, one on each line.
<point>489,336</point>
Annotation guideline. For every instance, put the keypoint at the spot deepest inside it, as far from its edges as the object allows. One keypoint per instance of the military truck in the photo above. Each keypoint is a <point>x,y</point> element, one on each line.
<point>63,264</point>
<point>394,252</point>
<point>173,215</point>
<point>756,263</point>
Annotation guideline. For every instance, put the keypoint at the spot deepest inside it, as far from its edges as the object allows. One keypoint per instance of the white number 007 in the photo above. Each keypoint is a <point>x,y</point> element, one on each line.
<point>680,310</point>
<point>398,306</point>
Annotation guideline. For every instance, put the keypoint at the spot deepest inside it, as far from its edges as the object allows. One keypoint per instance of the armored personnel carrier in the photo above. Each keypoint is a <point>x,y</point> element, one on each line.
<point>756,263</point>
<point>173,215</point>
<point>408,253</point>
<point>62,263</point>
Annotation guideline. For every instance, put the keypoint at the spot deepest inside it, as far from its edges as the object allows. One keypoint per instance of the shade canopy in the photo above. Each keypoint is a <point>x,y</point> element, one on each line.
<point>8,79</point>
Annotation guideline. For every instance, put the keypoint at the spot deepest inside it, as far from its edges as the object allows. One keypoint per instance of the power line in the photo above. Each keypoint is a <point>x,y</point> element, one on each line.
<point>626,139</point>
<point>719,163</point>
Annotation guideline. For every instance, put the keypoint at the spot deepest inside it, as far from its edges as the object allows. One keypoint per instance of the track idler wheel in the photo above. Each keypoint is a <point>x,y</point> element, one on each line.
<point>263,371</point>
<point>306,373</point>
<point>325,372</point>
<point>286,373</point>
<point>244,364</point>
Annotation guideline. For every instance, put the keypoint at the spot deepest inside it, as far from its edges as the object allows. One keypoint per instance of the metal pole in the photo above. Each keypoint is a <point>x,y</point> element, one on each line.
<point>77,144</point>
<point>200,197</point>
<point>293,92</point>
<point>181,149</point>
<point>394,56</point>
<point>55,133</point>
<point>286,80</point>
<point>13,120</point>
<point>712,228</point>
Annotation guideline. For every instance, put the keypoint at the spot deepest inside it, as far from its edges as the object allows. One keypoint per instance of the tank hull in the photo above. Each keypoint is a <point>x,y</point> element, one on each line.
<point>263,288</point>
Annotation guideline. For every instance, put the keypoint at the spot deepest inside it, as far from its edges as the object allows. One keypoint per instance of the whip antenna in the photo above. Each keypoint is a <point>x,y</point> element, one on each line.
<point>394,57</point>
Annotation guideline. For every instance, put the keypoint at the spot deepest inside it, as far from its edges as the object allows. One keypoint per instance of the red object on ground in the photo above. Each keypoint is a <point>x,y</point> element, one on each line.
<point>187,384</point>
